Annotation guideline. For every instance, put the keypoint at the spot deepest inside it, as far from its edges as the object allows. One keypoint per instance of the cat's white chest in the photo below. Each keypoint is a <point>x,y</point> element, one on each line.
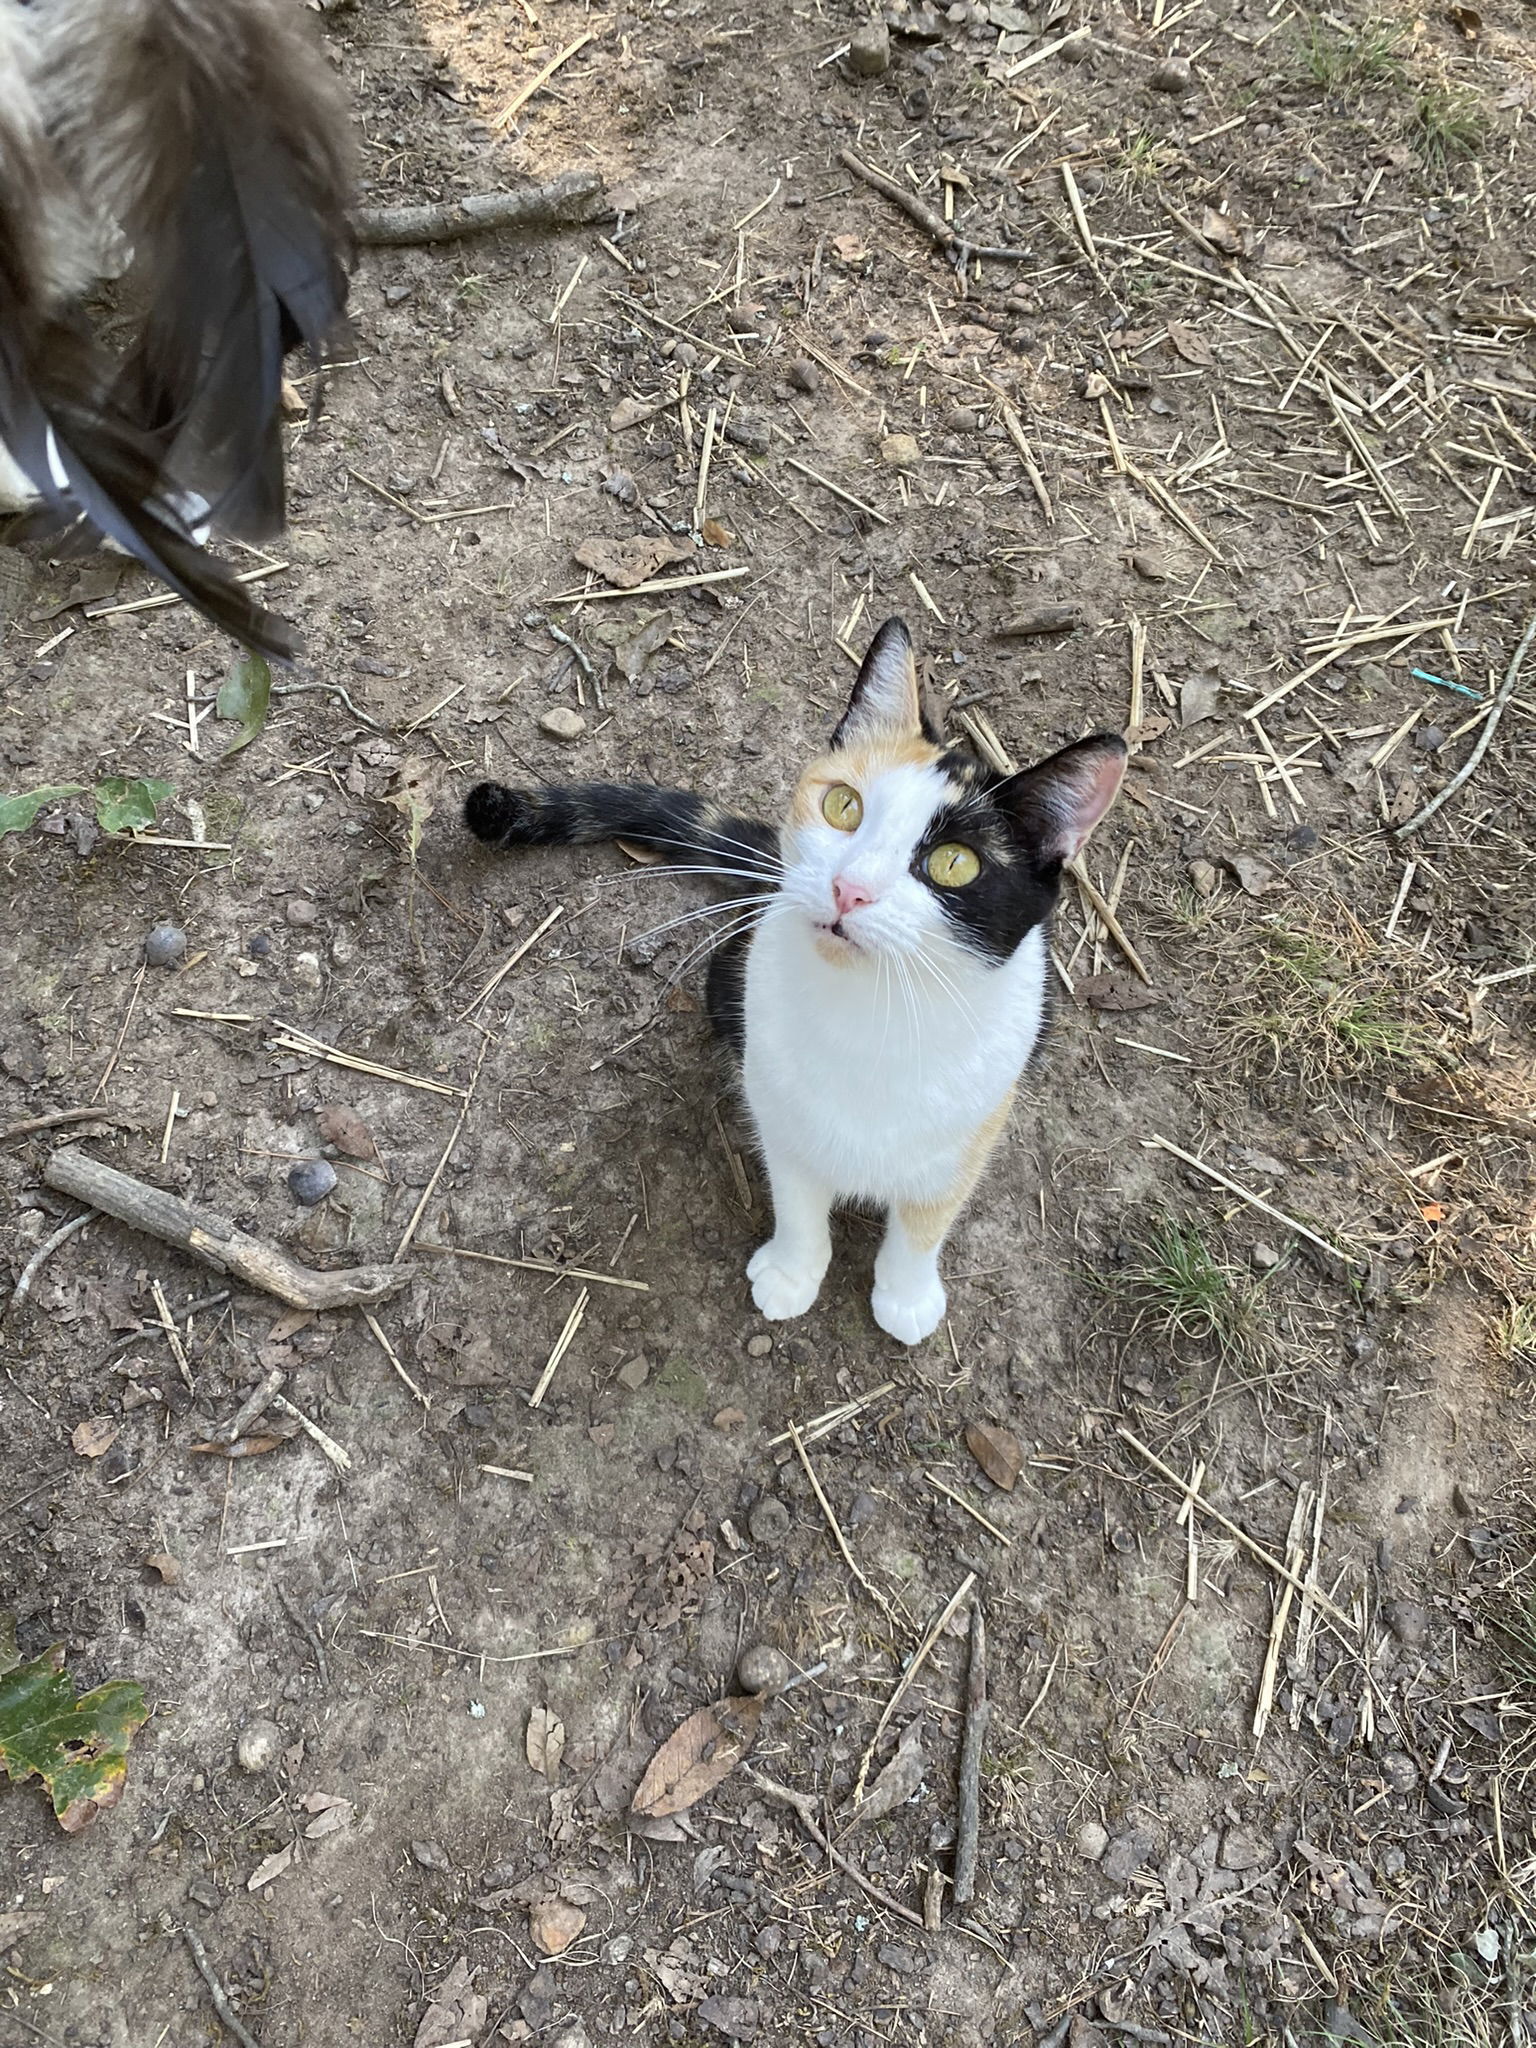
<point>875,1079</point>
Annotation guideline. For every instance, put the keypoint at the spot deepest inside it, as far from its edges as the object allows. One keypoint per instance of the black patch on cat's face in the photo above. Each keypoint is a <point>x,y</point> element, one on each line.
<point>1016,825</point>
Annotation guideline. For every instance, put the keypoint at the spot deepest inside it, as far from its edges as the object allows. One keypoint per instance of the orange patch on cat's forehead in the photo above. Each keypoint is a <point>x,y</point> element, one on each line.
<point>859,766</point>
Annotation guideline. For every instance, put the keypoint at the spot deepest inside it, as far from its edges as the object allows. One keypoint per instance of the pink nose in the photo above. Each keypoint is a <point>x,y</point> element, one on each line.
<point>850,895</point>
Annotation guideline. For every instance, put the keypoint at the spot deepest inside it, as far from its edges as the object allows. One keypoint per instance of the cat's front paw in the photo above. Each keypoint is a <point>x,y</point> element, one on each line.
<point>782,1286</point>
<point>911,1315</point>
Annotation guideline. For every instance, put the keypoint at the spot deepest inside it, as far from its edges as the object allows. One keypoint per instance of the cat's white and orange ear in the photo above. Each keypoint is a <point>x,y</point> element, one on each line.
<point>885,704</point>
<point>1058,802</point>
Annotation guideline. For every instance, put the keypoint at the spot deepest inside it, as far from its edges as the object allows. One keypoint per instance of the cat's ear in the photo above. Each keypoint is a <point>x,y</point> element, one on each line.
<point>1057,803</point>
<point>885,703</point>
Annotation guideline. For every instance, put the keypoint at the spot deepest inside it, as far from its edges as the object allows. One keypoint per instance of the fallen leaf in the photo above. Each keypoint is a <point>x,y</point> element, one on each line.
<point>730,1418</point>
<point>255,1446</point>
<point>697,1756</point>
<point>626,564</point>
<point>1116,991</point>
<point>1191,344</point>
<point>1467,19</point>
<point>167,1567</point>
<point>633,651</point>
<point>411,796</point>
<point>270,1867</point>
<point>642,856</point>
<point>996,1451</point>
<point>849,249</point>
<point>715,535</point>
<point>94,1437</point>
<point>128,804</point>
<point>631,412</point>
<point>1222,232</point>
<point>244,696</point>
<point>345,1129</point>
<point>737,2018</point>
<point>1254,874</point>
<point>332,1814</point>
<point>899,1780</point>
<point>1198,699</point>
<point>1432,1212</point>
<point>78,1747</point>
<point>17,812</point>
<point>545,1743</point>
<point>457,2012</point>
<point>554,1924</point>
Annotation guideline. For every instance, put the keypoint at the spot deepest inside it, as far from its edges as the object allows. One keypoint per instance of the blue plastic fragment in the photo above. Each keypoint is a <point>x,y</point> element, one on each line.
<point>1440,683</point>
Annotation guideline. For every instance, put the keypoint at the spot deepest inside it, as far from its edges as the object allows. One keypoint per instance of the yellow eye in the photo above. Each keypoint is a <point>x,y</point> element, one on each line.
<point>952,866</point>
<point>843,807</point>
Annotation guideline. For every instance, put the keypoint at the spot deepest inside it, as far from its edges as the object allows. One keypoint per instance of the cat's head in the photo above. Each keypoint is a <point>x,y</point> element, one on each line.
<point>896,844</point>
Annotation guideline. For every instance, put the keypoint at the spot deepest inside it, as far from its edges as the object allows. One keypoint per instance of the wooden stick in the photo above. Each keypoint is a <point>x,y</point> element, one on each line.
<point>447,1153</point>
<point>218,1996</point>
<point>562,1344</point>
<point>801,1803</point>
<point>520,98</point>
<point>920,1657</point>
<point>805,469</point>
<point>832,1523</point>
<point>43,1254</point>
<point>215,1239</point>
<point>251,1409</point>
<point>1254,1201</point>
<point>389,1352</point>
<point>1484,738</point>
<point>977,1711</point>
<point>55,1117</point>
<point>1239,1535</point>
<point>656,585</point>
<point>458,1251</point>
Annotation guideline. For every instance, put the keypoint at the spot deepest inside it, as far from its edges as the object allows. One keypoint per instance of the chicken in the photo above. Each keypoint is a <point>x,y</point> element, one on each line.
<point>198,152</point>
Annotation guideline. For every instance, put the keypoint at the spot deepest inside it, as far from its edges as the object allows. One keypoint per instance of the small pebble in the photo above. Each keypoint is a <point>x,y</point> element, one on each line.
<point>634,1373</point>
<point>901,451</point>
<point>763,1669</point>
<point>300,911</point>
<point>759,1346</point>
<point>306,969</point>
<point>258,1745</point>
<point>258,945</point>
<point>1092,1841</point>
<point>869,52</point>
<point>311,1180</point>
<point>562,723</point>
<point>1172,75</point>
<point>314,800</point>
<point>1203,877</point>
<point>804,376</point>
<point>1264,1257</point>
<point>166,944</point>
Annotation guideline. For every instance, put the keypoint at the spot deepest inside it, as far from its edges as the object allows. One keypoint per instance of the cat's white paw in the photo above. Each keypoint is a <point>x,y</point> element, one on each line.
<point>909,1316</point>
<point>782,1287</point>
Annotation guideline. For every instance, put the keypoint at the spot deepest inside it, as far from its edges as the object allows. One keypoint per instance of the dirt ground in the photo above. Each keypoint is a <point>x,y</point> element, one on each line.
<point>1262,1225</point>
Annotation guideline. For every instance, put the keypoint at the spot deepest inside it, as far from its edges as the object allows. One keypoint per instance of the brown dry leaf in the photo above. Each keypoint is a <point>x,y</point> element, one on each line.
<point>849,249</point>
<point>554,1925</point>
<point>94,1437</point>
<point>1467,19</point>
<point>630,412</point>
<point>332,1814</point>
<point>545,1743</point>
<point>900,1778</point>
<point>1255,875</point>
<point>997,1452</point>
<point>1191,344</point>
<point>457,2011</point>
<point>1222,232</point>
<point>626,564</point>
<point>256,1446</point>
<point>270,1867</point>
<point>345,1129</point>
<point>643,856</point>
<point>167,1567</point>
<point>696,1757</point>
<point>716,535</point>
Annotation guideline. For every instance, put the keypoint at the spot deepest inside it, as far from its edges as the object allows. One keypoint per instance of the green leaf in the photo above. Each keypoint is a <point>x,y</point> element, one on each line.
<point>126,805</point>
<point>78,1747</point>
<point>17,812</point>
<point>245,694</point>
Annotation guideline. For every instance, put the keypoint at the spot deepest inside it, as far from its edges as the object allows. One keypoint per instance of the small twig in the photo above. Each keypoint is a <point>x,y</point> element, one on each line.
<point>216,1992</point>
<point>216,1239</point>
<point>955,246</point>
<point>657,585</point>
<point>388,1350</point>
<point>133,999</point>
<point>173,1335</point>
<point>563,1343</point>
<point>447,1153</point>
<point>339,1458</point>
<point>816,477</point>
<point>306,1629</point>
<point>251,1409</point>
<point>532,940</point>
<point>459,1251</point>
<point>1237,1533</point>
<point>920,1657</point>
<point>565,201</point>
<point>832,1523</point>
<point>43,1254</point>
<point>1484,738</point>
<point>54,1118</point>
<point>524,94</point>
<point>801,1803</point>
<point>977,1712</point>
<point>1254,1201</point>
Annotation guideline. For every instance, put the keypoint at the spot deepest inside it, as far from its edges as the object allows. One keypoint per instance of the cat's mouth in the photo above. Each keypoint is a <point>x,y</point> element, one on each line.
<point>834,939</point>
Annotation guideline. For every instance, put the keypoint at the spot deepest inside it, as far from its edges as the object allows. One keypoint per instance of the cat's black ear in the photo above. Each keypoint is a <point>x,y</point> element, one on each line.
<point>1057,803</point>
<point>886,703</point>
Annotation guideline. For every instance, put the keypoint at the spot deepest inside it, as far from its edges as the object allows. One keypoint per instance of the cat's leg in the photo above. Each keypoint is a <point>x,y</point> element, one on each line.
<point>787,1272</point>
<point>909,1299</point>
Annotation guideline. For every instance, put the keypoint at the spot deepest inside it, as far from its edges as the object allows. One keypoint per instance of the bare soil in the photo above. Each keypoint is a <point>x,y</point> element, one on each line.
<point>1267,346</point>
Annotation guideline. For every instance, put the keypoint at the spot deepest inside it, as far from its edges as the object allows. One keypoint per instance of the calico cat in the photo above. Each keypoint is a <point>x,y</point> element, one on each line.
<point>890,985</point>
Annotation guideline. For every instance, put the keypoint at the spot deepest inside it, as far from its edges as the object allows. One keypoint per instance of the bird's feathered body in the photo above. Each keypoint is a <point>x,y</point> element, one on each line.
<point>198,150</point>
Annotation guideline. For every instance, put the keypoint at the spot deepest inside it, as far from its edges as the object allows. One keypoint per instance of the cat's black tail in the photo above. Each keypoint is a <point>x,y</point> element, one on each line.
<point>686,830</point>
